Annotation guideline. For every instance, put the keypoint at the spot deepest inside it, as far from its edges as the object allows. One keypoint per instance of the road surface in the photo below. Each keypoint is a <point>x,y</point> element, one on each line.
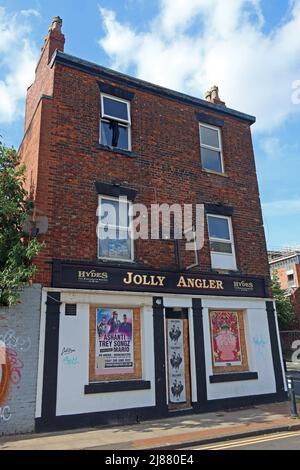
<point>279,441</point>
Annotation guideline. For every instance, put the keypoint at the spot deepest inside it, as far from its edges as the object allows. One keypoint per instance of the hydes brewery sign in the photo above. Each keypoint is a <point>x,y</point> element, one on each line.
<point>78,276</point>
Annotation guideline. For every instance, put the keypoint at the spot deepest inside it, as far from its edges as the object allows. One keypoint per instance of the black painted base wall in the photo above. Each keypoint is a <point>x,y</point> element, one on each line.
<point>136,415</point>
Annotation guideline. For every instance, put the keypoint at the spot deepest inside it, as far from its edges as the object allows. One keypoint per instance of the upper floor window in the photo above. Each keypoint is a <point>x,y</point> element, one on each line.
<point>115,240</point>
<point>115,122</point>
<point>291,278</point>
<point>211,148</point>
<point>221,242</point>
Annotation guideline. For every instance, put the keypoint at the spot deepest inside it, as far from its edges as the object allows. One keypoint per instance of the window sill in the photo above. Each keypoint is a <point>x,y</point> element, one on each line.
<point>114,262</point>
<point>108,148</point>
<point>119,386</point>
<point>229,272</point>
<point>233,377</point>
<point>212,172</point>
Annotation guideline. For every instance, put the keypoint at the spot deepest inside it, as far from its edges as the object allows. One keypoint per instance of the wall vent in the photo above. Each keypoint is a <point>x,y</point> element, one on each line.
<point>71,309</point>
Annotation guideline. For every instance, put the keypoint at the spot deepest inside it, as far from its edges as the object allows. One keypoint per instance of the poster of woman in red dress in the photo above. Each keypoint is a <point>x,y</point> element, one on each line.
<point>225,338</point>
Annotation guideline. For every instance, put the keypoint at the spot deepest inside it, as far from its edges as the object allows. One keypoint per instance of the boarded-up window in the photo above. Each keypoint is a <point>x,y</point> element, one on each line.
<point>115,344</point>
<point>228,342</point>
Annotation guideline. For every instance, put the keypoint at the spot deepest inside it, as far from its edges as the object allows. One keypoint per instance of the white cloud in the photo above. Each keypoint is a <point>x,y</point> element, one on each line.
<point>114,31</point>
<point>273,148</point>
<point>30,12</point>
<point>192,45</point>
<point>281,208</point>
<point>18,57</point>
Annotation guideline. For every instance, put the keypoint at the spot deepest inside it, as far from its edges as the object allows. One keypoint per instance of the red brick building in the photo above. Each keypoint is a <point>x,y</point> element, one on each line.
<point>202,328</point>
<point>286,266</point>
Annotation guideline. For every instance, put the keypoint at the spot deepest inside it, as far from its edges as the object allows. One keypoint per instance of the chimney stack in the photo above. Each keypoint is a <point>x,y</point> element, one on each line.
<point>212,96</point>
<point>54,39</point>
<point>44,78</point>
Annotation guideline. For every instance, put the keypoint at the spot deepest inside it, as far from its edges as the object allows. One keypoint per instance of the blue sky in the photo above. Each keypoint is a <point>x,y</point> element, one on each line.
<point>249,48</point>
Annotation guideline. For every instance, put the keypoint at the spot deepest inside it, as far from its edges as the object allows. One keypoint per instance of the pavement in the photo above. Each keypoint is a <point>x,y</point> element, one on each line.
<point>172,433</point>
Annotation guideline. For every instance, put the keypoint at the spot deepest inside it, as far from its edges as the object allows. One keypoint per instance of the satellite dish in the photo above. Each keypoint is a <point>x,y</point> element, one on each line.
<point>36,226</point>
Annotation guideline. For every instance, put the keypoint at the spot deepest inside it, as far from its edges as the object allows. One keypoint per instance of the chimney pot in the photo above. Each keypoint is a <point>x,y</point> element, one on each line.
<point>212,96</point>
<point>208,95</point>
<point>215,93</point>
<point>56,24</point>
<point>54,39</point>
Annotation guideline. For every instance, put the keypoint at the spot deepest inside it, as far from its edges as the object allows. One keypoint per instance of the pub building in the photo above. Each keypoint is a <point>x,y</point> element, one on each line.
<point>142,329</point>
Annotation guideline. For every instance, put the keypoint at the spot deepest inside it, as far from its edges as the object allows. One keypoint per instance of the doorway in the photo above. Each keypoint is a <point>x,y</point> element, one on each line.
<point>178,358</point>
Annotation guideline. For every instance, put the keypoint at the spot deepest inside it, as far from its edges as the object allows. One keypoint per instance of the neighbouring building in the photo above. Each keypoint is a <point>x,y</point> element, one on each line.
<point>137,329</point>
<point>286,266</point>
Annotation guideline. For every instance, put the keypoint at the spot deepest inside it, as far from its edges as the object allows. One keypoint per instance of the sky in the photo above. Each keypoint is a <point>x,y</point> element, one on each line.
<point>249,48</point>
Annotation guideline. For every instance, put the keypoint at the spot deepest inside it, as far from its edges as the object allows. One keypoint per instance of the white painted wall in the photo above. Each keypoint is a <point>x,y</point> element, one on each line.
<point>74,333</point>
<point>258,348</point>
<point>38,407</point>
<point>177,301</point>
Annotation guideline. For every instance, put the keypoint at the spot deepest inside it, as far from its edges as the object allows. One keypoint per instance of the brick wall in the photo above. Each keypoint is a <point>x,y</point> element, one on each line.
<point>295,299</point>
<point>282,277</point>
<point>297,274</point>
<point>43,83</point>
<point>167,169</point>
<point>19,330</point>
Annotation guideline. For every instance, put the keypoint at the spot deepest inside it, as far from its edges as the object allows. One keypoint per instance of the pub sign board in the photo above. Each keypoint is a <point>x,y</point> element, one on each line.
<point>86,276</point>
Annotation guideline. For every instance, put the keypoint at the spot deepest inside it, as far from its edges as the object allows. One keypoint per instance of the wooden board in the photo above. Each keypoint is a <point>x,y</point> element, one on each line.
<point>244,367</point>
<point>187,404</point>
<point>93,377</point>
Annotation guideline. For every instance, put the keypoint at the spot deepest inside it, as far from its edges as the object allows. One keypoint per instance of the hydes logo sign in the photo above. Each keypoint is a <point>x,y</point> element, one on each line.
<point>243,286</point>
<point>93,276</point>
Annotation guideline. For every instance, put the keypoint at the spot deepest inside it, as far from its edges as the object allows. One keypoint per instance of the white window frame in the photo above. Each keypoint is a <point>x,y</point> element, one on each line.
<point>121,125</point>
<point>216,149</point>
<point>223,240</point>
<point>290,272</point>
<point>114,98</point>
<point>122,122</point>
<point>120,227</point>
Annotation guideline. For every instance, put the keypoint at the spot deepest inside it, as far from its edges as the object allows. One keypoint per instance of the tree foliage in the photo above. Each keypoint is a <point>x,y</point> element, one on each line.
<point>16,250</point>
<point>286,317</point>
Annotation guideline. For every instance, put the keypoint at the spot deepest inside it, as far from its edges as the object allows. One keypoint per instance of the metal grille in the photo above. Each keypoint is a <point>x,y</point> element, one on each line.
<point>71,309</point>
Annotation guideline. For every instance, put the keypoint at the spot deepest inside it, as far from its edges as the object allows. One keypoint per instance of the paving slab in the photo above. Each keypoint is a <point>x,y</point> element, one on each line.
<point>165,433</point>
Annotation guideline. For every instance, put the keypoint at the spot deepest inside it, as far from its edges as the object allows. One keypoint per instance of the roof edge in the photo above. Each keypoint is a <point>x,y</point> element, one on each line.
<point>283,258</point>
<point>95,69</point>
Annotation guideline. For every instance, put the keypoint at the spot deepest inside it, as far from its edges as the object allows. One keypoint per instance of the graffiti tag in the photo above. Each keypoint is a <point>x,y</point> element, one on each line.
<point>16,366</point>
<point>5,413</point>
<point>2,353</point>
<point>66,351</point>
<point>10,373</point>
<point>259,344</point>
<point>71,361</point>
<point>19,343</point>
<point>4,382</point>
